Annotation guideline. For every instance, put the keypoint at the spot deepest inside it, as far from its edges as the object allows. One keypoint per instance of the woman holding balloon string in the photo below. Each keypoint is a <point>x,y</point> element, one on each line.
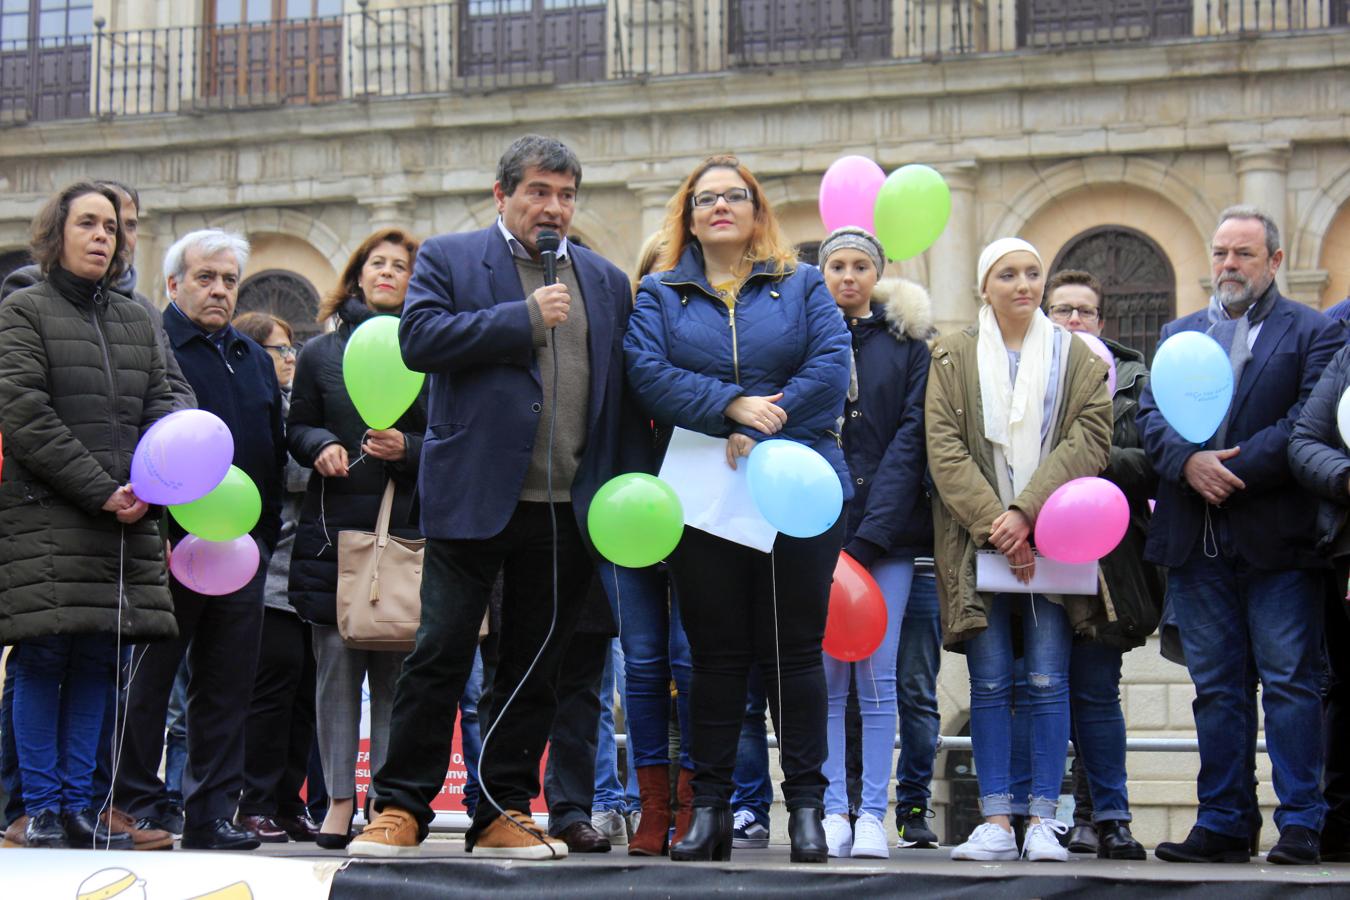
<point>888,520</point>
<point>1015,408</point>
<point>733,339</point>
<point>81,568</point>
<point>352,464</point>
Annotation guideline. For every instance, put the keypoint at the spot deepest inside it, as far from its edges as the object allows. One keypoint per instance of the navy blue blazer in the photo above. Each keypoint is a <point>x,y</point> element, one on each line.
<point>466,324</point>
<point>1273,520</point>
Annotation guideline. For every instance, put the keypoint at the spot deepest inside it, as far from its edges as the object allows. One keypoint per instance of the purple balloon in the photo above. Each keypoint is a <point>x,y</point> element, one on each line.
<point>214,568</point>
<point>1103,351</point>
<point>848,193</point>
<point>181,458</point>
<point>1083,520</point>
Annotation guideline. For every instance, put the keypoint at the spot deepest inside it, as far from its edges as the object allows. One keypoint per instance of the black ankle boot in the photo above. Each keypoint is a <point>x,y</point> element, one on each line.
<point>1114,841</point>
<point>807,834</point>
<point>709,836</point>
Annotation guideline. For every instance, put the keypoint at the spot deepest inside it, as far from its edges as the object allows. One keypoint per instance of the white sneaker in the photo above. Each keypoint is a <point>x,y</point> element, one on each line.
<point>1042,843</point>
<point>988,842</point>
<point>838,835</point>
<point>869,838</point>
<point>611,824</point>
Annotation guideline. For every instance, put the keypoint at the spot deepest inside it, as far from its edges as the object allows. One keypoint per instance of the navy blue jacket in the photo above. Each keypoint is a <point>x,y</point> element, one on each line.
<point>884,444</point>
<point>688,356</point>
<point>466,323</point>
<point>241,388</point>
<point>1273,520</point>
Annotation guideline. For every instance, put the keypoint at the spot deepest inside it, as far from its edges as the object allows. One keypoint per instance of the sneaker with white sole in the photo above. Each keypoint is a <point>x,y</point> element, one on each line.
<point>611,823</point>
<point>911,825</point>
<point>1042,841</point>
<point>516,836</point>
<point>838,835</point>
<point>869,838</point>
<point>747,832</point>
<point>987,842</point>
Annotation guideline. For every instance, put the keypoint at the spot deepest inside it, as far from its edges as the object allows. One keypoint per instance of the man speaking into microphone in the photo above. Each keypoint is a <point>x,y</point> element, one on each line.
<point>525,418</point>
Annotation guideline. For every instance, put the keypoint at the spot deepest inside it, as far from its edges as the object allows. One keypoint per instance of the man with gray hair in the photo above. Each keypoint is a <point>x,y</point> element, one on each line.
<point>234,378</point>
<point>1237,535</point>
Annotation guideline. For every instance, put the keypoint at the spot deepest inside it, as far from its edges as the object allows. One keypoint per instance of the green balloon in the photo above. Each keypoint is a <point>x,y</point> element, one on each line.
<point>635,520</point>
<point>911,210</point>
<point>229,511</point>
<point>380,385</point>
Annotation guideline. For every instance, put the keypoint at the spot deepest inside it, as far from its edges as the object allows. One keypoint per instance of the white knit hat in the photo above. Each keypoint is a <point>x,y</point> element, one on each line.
<point>996,251</point>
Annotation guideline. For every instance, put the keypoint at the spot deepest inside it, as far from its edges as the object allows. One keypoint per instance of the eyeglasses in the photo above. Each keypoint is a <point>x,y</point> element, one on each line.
<point>1064,312</point>
<point>285,351</point>
<point>705,199</point>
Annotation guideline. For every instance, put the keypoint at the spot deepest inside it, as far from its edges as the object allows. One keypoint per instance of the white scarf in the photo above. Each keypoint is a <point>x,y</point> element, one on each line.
<point>1013,412</point>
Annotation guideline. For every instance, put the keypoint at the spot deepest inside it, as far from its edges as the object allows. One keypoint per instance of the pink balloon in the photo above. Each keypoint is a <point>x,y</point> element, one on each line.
<point>181,458</point>
<point>848,193</point>
<point>1083,520</point>
<point>214,568</point>
<point>1106,355</point>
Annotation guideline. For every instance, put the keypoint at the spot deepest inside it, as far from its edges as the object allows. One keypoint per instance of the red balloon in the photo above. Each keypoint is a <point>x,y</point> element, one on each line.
<point>856,624</point>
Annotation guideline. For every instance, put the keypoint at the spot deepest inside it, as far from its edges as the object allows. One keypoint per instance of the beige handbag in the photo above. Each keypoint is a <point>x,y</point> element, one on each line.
<point>379,588</point>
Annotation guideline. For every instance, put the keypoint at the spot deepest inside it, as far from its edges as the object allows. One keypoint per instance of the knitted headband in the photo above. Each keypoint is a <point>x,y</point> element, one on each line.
<point>851,237</point>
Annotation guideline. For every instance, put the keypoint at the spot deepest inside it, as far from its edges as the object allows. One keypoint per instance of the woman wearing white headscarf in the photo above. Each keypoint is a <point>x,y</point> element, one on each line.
<point>1015,408</point>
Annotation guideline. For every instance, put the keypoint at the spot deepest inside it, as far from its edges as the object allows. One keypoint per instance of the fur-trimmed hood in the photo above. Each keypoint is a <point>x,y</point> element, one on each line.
<point>908,308</point>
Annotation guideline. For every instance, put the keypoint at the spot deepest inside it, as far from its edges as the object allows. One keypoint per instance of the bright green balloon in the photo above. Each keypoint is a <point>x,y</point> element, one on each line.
<point>911,210</point>
<point>380,385</point>
<point>635,520</point>
<point>229,511</point>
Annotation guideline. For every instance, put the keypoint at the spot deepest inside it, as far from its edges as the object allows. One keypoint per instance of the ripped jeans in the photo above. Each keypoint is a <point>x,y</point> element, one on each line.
<point>1047,641</point>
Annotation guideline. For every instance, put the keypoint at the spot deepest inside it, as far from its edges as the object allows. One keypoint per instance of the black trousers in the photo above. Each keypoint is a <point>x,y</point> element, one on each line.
<point>457,579</point>
<point>1336,705</point>
<point>741,608</point>
<point>280,727</point>
<point>569,776</point>
<point>220,636</point>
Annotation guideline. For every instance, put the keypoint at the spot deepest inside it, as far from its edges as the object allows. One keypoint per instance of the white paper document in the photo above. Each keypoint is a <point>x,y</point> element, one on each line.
<point>715,497</point>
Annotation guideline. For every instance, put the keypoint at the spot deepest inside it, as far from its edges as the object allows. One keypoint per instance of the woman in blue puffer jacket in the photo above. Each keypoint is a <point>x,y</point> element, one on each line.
<point>734,339</point>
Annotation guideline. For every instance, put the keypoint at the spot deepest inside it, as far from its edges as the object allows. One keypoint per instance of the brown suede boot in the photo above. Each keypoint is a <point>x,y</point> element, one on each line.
<point>684,792</point>
<point>654,794</point>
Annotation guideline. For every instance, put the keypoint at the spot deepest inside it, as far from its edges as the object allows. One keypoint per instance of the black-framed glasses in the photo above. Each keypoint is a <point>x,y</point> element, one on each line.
<point>285,351</point>
<point>705,199</point>
<point>1064,312</point>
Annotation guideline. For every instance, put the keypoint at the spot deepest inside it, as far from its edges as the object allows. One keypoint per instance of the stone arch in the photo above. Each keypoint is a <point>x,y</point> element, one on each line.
<point>1308,241</point>
<point>291,223</point>
<point>277,252</point>
<point>1335,257</point>
<point>1177,231</point>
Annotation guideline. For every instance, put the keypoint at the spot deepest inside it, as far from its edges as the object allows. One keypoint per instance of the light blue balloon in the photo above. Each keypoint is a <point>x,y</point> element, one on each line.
<point>1192,383</point>
<point>795,488</point>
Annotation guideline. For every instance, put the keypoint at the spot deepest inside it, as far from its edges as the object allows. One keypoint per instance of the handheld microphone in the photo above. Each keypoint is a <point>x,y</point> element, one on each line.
<point>548,243</point>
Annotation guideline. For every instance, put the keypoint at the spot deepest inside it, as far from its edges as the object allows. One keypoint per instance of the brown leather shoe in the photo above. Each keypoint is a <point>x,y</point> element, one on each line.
<point>118,822</point>
<point>581,837</point>
<point>301,829</point>
<point>264,827</point>
<point>14,834</point>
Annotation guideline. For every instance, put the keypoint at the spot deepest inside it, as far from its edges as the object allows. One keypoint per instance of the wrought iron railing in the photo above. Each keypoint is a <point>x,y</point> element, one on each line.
<point>482,45</point>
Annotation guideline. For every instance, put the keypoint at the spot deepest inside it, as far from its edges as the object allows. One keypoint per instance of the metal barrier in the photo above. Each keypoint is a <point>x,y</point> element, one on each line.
<point>962,742</point>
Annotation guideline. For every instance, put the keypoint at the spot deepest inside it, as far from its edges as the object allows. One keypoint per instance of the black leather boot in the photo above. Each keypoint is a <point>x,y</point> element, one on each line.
<point>1116,842</point>
<point>807,834</point>
<point>86,832</point>
<point>709,836</point>
<point>46,830</point>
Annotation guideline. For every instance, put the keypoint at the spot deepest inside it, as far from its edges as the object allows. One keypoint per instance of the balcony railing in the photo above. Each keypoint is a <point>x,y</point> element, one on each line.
<point>483,45</point>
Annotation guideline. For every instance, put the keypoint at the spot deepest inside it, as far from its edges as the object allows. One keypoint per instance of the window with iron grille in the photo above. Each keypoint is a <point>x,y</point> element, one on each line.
<point>45,58</point>
<point>767,32</point>
<point>285,295</point>
<point>557,40</point>
<point>264,52</point>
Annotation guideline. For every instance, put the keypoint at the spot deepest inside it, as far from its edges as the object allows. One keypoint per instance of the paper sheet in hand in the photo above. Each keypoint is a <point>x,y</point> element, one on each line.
<point>715,497</point>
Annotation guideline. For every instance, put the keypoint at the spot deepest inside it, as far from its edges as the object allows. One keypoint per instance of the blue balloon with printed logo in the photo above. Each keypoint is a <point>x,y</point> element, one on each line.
<point>795,488</point>
<point>1192,383</point>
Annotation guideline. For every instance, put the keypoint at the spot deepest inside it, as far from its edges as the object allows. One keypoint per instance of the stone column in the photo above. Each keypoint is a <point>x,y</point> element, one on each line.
<point>652,197</point>
<point>952,259</point>
<point>1306,286</point>
<point>388,212</point>
<point>1263,181</point>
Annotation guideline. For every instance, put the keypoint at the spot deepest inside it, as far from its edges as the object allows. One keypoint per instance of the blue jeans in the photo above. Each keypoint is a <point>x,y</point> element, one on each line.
<point>175,742</point>
<point>916,692</point>
<point>610,793</point>
<point>470,735</point>
<point>60,696</point>
<point>754,789</point>
<point>876,700</point>
<point>1047,639</point>
<point>1230,616</point>
<point>9,754</point>
<point>655,650</point>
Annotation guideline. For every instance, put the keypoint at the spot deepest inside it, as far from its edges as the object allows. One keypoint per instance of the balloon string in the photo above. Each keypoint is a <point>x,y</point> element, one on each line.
<point>323,518</point>
<point>1210,538</point>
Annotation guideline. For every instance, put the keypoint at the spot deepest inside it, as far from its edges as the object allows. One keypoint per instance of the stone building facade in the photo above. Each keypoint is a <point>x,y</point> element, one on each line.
<point>1110,142</point>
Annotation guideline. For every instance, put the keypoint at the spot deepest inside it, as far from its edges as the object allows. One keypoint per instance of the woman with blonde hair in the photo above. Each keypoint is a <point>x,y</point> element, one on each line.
<point>734,339</point>
<point>352,464</point>
<point>1015,408</point>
